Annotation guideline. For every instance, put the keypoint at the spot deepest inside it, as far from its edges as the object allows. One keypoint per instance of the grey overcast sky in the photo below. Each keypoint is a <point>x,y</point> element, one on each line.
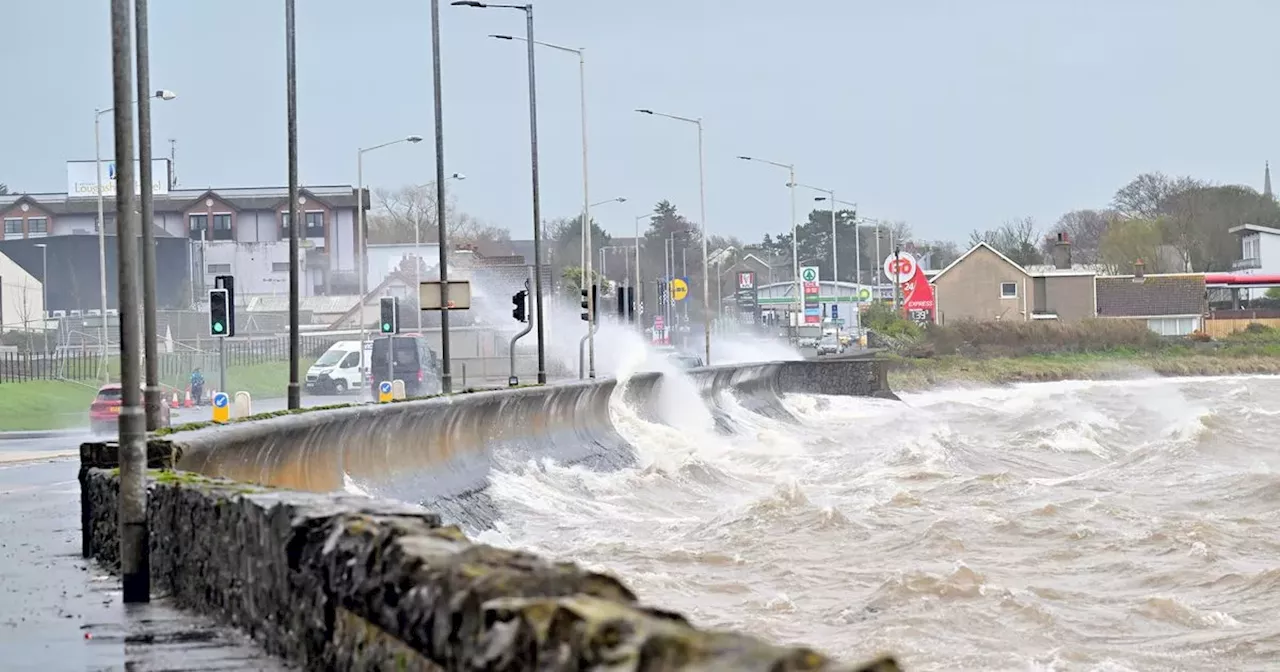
<point>947,114</point>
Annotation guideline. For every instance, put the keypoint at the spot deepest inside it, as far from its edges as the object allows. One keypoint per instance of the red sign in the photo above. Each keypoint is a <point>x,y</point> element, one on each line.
<point>918,304</point>
<point>659,323</point>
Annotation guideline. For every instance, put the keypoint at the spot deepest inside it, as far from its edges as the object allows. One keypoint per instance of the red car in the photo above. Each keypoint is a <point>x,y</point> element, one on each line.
<point>104,412</point>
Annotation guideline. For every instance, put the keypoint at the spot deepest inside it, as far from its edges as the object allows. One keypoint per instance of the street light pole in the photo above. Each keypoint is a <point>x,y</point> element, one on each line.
<point>291,96</point>
<point>134,535</point>
<point>702,208</point>
<point>533,151</point>
<point>360,243</point>
<point>151,393</point>
<point>44,295</point>
<point>795,247</point>
<point>639,291</point>
<point>437,98</point>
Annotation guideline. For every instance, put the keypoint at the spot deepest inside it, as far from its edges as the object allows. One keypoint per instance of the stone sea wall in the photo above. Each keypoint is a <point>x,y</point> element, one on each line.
<point>344,583</point>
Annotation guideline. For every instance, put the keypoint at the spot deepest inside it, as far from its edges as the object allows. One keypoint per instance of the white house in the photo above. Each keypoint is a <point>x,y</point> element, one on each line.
<point>21,298</point>
<point>1259,252</point>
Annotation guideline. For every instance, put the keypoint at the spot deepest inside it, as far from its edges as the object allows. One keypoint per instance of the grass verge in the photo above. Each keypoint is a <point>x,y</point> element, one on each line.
<point>915,374</point>
<point>44,404</point>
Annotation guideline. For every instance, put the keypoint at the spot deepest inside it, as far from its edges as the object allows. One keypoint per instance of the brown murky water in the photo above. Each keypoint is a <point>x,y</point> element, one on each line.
<point>1067,526</point>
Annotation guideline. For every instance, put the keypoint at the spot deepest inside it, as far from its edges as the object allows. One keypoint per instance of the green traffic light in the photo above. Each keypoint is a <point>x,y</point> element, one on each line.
<point>386,327</point>
<point>217,327</point>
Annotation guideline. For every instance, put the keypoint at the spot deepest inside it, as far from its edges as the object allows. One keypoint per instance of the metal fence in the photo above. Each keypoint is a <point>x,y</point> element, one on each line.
<point>85,365</point>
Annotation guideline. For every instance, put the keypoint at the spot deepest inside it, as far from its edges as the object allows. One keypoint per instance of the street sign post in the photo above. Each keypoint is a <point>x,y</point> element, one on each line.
<point>221,407</point>
<point>812,291</point>
<point>384,391</point>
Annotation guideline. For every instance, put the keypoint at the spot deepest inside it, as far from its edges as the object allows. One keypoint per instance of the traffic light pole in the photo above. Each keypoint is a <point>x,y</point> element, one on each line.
<point>222,364</point>
<point>514,380</point>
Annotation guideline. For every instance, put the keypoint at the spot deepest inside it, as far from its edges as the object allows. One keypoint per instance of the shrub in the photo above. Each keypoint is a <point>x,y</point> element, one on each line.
<point>881,318</point>
<point>1038,337</point>
<point>1200,337</point>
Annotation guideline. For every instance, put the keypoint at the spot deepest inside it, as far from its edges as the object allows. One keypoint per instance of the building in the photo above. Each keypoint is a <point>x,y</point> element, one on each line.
<point>21,298</point>
<point>1259,253</point>
<point>983,284</point>
<point>1172,304</point>
<point>237,231</point>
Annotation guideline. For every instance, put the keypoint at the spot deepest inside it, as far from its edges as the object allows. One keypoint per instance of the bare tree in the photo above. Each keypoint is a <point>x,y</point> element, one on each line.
<point>1016,239</point>
<point>400,212</point>
<point>1146,196</point>
<point>26,311</point>
<point>1085,230</point>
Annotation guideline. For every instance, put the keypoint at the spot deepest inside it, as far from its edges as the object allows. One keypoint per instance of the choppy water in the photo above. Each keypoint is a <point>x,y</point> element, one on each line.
<point>1065,526</point>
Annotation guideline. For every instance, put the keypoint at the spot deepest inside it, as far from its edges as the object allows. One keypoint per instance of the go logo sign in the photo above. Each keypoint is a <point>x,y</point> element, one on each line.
<point>900,268</point>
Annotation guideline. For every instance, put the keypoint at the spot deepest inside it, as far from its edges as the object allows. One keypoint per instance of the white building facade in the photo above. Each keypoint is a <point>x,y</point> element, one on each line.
<point>21,298</point>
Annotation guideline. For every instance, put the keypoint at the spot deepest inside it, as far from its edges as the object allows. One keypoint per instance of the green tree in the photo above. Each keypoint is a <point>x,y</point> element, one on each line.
<point>1197,222</point>
<point>572,276</point>
<point>564,236</point>
<point>666,223</point>
<point>1128,240</point>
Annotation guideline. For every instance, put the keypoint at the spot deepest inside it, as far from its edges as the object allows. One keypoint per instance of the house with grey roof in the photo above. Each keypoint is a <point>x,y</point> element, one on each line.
<point>1171,304</point>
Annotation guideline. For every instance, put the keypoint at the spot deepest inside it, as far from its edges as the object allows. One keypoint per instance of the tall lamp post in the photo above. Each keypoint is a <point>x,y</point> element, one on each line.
<point>533,164</point>
<point>702,208</point>
<point>162,94</point>
<point>360,227</point>
<point>639,291</point>
<point>44,295</point>
<point>586,265</point>
<point>795,249</point>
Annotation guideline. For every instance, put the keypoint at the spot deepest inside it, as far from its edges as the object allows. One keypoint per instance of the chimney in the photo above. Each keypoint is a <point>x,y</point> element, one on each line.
<point>1062,252</point>
<point>1139,271</point>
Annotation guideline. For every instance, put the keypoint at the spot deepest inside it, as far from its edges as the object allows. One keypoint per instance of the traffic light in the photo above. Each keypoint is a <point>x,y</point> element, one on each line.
<point>228,282</point>
<point>521,310</point>
<point>621,293</point>
<point>390,322</point>
<point>595,302</point>
<point>631,304</point>
<point>219,312</point>
<point>585,304</point>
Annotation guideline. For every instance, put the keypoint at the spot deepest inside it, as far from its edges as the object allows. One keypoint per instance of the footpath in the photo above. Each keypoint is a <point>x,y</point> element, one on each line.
<point>59,611</point>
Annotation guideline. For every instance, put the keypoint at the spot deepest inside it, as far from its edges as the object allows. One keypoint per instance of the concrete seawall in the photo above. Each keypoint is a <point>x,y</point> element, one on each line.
<point>334,581</point>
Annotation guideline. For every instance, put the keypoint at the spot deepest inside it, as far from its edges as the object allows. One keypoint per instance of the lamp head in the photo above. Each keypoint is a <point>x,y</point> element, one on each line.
<point>414,139</point>
<point>645,111</point>
<point>165,94</point>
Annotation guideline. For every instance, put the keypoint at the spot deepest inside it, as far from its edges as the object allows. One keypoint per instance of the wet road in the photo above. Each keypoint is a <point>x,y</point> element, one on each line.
<point>61,612</point>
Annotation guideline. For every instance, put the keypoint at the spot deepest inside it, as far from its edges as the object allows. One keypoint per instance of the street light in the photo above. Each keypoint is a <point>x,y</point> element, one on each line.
<point>533,165</point>
<point>637,241</point>
<point>44,296</point>
<point>162,94</point>
<point>795,250</point>
<point>360,244</point>
<point>702,207</point>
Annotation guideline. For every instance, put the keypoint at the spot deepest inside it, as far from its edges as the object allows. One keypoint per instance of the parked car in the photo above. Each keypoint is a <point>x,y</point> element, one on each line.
<point>410,360</point>
<point>830,345</point>
<point>685,360</point>
<point>337,370</point>
<point>104,411</point>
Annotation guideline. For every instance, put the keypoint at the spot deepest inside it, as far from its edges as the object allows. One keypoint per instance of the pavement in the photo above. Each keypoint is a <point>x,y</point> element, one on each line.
<point>59,611</point>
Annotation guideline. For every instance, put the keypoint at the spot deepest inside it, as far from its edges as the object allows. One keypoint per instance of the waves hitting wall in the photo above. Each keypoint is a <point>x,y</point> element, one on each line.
<point>440,452</point>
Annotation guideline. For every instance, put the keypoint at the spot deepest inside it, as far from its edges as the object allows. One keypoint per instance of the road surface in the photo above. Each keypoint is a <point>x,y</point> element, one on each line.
<point>61,612</point>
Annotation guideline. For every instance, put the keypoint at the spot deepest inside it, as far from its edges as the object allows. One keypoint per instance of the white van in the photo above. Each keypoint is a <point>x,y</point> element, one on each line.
<point>338,369</point>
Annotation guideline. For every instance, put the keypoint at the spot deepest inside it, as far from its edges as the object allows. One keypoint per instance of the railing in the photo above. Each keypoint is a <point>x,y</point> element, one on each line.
<point>1246,264</point>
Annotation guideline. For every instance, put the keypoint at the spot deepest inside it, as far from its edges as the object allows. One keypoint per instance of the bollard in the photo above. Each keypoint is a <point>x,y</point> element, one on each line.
<point>397,389</point>
<point>243,406</point>
<point>384,392</point>
<point>221,407</point>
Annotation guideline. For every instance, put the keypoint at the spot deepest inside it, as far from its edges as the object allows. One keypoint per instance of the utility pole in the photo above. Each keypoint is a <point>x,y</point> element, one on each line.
<point>151,394</point>
<point>134,535</point>
<point>291,85</point>
<point>446,367</point>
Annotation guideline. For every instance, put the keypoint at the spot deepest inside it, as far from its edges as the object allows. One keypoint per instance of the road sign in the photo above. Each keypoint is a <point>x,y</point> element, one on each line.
<point>835,311</point>
<point>384,391</point>
<point>221,407</point>
<point>679,289</point>
<point>900,268</point>
<point>812,290</point>
<point>809,273</point>
<point>659,323</point>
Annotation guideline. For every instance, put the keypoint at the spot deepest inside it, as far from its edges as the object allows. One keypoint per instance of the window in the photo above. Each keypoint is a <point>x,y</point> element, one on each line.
<point>1008,290</point>
<point>198,226</point>
<point>314,224</point>
<point>1252,247</point>
<point>284,225</point>
<point>222,226</point>
<point>37,226</point>
<point>12,226</point>
<point>219,269</point>
<point>280,267</point>
<point>352,360</point>
<point>1173,326</point>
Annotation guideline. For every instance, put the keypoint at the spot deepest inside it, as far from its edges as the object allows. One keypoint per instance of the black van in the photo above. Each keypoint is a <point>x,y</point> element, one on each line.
<point>413,362</point>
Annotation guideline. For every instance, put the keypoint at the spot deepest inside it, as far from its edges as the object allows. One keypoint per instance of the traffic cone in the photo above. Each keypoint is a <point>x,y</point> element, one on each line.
<point>189,403</point>
<point>173,401</point>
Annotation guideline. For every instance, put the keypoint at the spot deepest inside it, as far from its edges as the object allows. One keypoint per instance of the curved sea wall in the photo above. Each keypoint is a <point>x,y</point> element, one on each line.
<point>333,581</point>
